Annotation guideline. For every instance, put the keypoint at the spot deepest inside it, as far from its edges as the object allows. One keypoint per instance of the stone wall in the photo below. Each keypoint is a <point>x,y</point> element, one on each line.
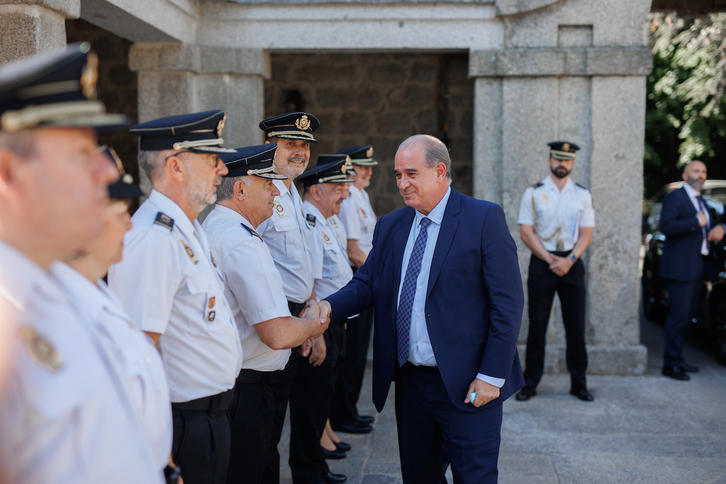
<point>379,99</point>
<point>117,85</point>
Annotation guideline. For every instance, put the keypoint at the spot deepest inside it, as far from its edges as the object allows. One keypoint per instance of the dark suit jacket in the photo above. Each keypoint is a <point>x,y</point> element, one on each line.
<point>474,298</point>
<point>682,248</point>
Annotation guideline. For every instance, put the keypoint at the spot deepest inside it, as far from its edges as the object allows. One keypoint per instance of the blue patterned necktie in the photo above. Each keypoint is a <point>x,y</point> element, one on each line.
<point>405,303</point>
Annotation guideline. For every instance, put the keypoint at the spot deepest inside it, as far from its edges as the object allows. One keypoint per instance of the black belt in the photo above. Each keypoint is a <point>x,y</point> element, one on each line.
<point>254,376</point>
<point>213,403</point>
<point>295,308</point>
<point>428,369</point>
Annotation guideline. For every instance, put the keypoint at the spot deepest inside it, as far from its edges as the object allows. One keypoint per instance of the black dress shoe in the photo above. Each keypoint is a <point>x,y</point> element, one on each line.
<point>332,454</point>
<point>331,478</point>
<point>689,368</point>
<point>582,394</point>
<point>355,428</point>
<point>525,394</point>
<point>365,419</point>
<point>675,373</point>
<point>342,446</point>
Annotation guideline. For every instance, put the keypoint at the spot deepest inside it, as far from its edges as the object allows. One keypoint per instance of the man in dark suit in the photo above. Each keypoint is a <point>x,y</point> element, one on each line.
<point>444,280</point>
<point>690,231</point>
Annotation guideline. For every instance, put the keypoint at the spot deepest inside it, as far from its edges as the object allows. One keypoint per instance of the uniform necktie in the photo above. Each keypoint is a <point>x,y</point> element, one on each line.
<point>405,303</point>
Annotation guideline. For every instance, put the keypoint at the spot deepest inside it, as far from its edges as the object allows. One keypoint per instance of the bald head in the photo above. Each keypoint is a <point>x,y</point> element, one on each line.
<point>435,151</point>
<point>694,174</point>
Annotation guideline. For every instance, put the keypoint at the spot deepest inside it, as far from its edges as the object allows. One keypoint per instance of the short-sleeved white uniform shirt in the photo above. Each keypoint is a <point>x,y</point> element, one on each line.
<point>288,238</point>
<point>65,415</point>
<point>565,210</point>
<point>253,285</point>
<point>359,218</point>
<point>168,283</point>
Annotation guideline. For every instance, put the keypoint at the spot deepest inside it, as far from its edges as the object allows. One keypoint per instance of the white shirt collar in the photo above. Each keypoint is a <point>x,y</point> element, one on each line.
<point>21,277</point>
<point>83,292</point>
<point>436,215</point>
<point>170,208</point>
<point>690,191</point>
<point>312,209</point>
<point>550,184</point>
<point>228,212</point>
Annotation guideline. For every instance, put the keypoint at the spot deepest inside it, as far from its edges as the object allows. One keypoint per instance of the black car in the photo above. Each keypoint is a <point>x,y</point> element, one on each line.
<point>711,313</point>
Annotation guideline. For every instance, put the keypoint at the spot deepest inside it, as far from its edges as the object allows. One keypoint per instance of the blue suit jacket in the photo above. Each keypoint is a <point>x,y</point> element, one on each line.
<point>682,248</point>
<point>474,298</point>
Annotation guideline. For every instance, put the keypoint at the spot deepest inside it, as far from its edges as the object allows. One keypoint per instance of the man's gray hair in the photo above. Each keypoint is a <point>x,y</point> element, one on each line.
<point>151,162</point>
<point>226,189</point>
<point>435,151</point>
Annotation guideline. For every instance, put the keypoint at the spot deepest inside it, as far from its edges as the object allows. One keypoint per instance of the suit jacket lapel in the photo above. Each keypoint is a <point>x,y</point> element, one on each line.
<point>449,224</point>
<point>399,247</point>
<point>689,203</point>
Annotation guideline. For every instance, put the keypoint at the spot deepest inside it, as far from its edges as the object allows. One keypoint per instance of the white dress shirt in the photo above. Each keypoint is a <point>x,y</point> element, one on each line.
<point>66,415</point>
<point>566,210</point>
<point>421,353</point>
<point>288,238</point>
<point>169,284</point>
<point>142,368</point>
<point>359,218</point>
<point>252,284</point>
<point>692,194</point>
<point>330,261</point>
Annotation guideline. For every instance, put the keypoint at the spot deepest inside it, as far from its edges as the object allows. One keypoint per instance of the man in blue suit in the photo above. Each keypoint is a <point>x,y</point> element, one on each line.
<point>444,280</point>
<point>689,230</point>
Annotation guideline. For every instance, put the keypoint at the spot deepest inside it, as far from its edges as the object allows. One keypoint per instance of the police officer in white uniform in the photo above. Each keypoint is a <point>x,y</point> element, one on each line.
<point>556,221</point>
<point>360,220</point>
<point>66,415</point>
<point>169,283</point>
<point>288,238</point>
<point>253,288</point>
<point>140,362</point>
<point>326,186</point>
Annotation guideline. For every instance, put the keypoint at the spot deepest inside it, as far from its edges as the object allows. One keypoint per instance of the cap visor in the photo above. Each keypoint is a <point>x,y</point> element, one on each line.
<point>272,175</point>
<point>103,123</point>
<point>364,163</point>
<point>124,190</point>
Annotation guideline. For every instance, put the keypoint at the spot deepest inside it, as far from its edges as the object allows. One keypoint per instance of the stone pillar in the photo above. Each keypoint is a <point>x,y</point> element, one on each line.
<point>596,98</point>
<point>180,78</point>
<point>33,27</point>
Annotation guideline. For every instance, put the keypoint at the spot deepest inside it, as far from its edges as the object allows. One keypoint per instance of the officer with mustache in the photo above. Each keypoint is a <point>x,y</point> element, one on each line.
<point>556,221</point>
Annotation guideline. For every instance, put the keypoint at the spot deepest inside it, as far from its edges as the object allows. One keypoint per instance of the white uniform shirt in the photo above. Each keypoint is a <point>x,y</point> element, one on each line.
<point>288,238</point>
<point>359,218</point>
<point>339,228</point>
<point>568,209</point>
<point>168,283</point>
<point>140,362</point>
<point>253,286</point>
<point>65,415</point>
<point>332,268</point>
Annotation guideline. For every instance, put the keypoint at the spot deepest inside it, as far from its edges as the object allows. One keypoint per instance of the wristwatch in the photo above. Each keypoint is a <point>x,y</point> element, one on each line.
<point>172,474</point>
<point>573,257</point>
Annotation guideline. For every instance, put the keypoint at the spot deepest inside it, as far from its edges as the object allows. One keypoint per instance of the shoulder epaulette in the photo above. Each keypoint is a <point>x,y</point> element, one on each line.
<point>310,219</point>
<point>164,220</point>
<point>537,185</point>
<point>252,231</point>
<point>580,186</point>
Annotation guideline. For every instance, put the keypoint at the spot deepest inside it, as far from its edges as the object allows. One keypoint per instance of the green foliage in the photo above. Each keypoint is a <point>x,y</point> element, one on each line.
<point>686,108</point>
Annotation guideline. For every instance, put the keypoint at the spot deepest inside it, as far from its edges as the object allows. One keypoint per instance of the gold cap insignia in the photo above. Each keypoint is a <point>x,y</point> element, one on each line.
<point>40,349</point>
<point>566,147</point>
<point>303,123</point>
<point>279,209</point>
<point>89,76</point>
<point>369,152</point>
<point>189,251</point>
<point>220,126</point>
<point>346,166</point>
<point>326,238</point>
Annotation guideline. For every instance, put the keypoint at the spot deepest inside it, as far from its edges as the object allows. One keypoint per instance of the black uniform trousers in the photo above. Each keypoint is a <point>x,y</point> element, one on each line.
<point>683,298</point>
<point>281,386</point>
<point>542,285</point>
<point>251,417</point>
<point>310,403</point>
<point>350,381</point>
<point>201,439</point>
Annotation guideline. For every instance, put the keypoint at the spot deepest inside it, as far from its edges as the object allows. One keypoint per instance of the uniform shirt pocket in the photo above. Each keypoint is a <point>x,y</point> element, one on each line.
<point>288,227</point>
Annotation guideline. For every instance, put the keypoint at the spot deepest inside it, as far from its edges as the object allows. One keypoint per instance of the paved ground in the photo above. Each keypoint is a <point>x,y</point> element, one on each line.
<point>644,429</point>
